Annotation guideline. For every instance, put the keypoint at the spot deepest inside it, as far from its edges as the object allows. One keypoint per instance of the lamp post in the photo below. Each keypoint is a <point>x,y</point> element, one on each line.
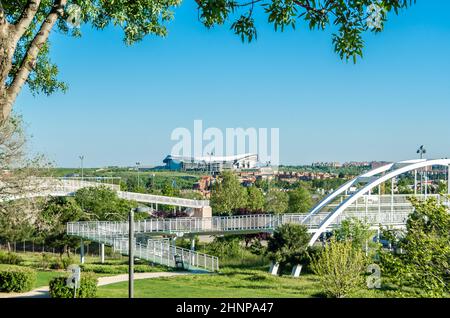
<point>137,168</point>
<point>421,151</point>
<point>131,247</point>
<point>81,159</point>
<point>210,161</point>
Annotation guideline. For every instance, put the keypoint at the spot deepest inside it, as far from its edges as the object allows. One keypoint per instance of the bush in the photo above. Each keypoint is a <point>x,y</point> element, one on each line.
<point>87,289</point>
<point>340,268</point>
<point>45,261</point>
<point>10,258</point>
<point>62,262</point>
<point>16,279</point>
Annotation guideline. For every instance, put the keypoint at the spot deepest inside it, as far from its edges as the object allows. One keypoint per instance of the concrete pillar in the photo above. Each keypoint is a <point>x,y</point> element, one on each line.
<point>448,180</point>
<point>296,270</point>
<point>415,182</point>
<point>102,253</point>
<point>193,243</point>
<point>274,269</point>
<point>82,252</point>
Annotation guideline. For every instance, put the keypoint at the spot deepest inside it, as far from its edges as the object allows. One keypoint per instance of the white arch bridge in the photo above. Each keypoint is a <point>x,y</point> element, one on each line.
<point>354,199</point>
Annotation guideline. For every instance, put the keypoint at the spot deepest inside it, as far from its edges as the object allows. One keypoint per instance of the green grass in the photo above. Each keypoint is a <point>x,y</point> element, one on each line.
<point>44,277</point>
<point>230,283</point>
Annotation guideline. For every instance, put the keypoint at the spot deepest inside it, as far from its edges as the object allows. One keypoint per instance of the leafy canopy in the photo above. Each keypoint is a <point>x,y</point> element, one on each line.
<point>139,18</point>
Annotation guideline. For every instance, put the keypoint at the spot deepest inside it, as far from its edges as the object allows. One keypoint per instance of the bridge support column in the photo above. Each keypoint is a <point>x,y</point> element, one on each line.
<point>274,267</point>
<point>448,180</point>
<point>296,270</point>
<point>82,252</point>
<point>102,253</point>
<point>193,243</point>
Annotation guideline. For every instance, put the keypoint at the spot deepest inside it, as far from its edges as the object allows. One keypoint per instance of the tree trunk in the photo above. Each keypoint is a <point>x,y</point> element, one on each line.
<point>9,36</point>
<point>6,54</point>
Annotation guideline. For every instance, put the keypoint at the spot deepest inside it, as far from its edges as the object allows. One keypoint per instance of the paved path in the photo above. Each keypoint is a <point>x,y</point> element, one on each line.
<point>42,292</point>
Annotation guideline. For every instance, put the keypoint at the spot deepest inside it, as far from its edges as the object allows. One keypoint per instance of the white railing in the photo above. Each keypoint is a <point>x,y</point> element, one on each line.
<point>165,253</point>
<point>242,223</point>
<point>159,199</point>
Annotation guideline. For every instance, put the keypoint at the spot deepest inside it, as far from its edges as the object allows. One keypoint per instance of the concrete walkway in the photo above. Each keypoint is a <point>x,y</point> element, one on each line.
<point>43,292</point>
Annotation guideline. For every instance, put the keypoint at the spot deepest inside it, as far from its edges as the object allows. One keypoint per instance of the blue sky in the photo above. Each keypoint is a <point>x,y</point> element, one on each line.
<point>123,102</point>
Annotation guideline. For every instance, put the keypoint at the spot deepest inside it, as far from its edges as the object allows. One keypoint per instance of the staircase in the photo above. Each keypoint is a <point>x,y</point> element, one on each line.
<point>158,251</point>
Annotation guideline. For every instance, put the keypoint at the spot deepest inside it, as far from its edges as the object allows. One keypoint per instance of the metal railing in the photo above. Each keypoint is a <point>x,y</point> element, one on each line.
<point>165,253</point>
<point>237,224</point>
<point>159,199</point>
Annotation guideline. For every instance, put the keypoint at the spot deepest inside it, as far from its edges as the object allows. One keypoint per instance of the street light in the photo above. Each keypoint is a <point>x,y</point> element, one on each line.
<point>81,158</point>
<point>210,161</point>
<point>139,179</point>
<point>421,151</point>
<point>131,247</point>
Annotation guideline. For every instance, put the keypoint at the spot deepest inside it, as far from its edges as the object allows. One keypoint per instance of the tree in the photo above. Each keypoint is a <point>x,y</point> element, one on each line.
<point>276,202</point>
<point>25,26</point>
<point>355,231</point>
<point>424,262</point>
<point>300,200</point>
<point>255,199</point>
<point>227,194</point>
<point>55,214</point>
<point>288,245</point>
<point>340,268</point>
<point>102,203</point>
<point>18,180</point>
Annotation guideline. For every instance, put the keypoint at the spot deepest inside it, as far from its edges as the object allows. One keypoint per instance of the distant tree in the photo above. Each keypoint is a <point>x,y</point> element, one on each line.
<point>102,203</point>
<point>288,245</point>
<point>424,262</point>
<point>300,200</point>
<point>54,216</point>
<point>227,194</point>
<point>276,202</point>
<point>169,190</point>
<point>255,199</point>
<point>340,268</point>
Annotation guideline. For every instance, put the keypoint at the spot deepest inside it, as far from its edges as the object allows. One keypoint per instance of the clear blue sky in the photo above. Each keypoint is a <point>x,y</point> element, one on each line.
<point>123,102</point>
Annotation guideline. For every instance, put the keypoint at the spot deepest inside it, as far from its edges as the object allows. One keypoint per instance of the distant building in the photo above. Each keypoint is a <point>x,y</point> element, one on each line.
<point>211,163</point>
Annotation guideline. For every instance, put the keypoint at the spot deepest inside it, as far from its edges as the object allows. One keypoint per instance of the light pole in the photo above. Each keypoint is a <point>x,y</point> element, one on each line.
<point>210,162</point>
<point>131,247</point>
<point>421,151</point>
<point>139,179</point>
<point>82,172</point>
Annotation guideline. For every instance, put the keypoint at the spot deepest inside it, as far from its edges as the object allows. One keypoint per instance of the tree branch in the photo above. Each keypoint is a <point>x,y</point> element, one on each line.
<point>29,60</point>
<point>27,16</point>
<point>2,15</point>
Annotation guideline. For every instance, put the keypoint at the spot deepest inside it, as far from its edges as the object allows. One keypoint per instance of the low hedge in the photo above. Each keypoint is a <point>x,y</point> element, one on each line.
<point>10,258</point>
<point>16,279</point>
<point>87,289</point>
<point>120,269</point>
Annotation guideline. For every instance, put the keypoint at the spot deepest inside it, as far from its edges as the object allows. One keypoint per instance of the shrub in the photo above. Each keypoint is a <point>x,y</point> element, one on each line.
<point>10,258</point>
<point>87,289</point>
<point>340,268</point>
<point>44,261</point>
<point>61,262</point>
<point>16,279</point>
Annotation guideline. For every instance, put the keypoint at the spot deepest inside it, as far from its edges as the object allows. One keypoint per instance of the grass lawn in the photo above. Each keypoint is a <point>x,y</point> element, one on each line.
<point>43,277</point>
<point>230,283</point>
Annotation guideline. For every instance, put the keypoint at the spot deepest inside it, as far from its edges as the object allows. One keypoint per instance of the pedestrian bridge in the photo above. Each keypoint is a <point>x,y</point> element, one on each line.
<point>41,187</point>
<point>355,199</point>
